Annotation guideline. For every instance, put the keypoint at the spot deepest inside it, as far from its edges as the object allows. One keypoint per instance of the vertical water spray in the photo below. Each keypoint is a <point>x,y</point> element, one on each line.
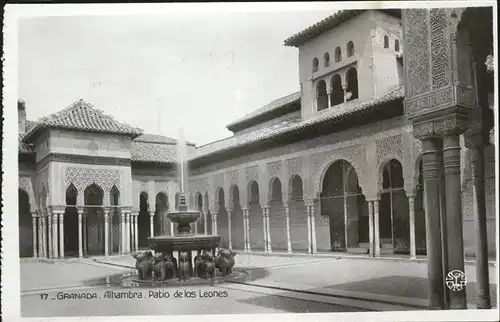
<point>180,158</point>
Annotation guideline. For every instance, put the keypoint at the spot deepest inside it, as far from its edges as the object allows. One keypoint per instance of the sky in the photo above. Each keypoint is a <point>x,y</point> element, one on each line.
<point>193,70</point>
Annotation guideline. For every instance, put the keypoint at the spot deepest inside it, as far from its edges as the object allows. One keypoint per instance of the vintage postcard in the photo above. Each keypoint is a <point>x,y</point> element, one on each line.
<point>334,161</point>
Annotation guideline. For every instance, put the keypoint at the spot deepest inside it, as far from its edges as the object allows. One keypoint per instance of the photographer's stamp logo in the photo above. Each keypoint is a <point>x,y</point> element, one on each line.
<point>456,280</point>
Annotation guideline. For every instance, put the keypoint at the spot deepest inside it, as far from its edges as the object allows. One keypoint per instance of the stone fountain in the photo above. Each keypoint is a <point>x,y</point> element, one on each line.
<point>184,241</point>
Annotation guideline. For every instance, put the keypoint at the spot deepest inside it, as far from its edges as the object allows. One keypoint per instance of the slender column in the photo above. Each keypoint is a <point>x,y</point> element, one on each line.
<point>288,237</point>
<point>451,162</point>
<point>370,227</point>
<point>106,232</point>
<point>214,223</point>
<point>413,248</point>
<point>80,233</point>
<point>376,227</point>
<point>132,232</point>
<point>245,229</point>
<point>55,235</point>
<point>85,236</point>
<point>61,234</point>
<point>129,239</point>
<point>34,225</point>
<point>229,213</point>
<point>309,243</point>
<point>268,227</point>
<point>249,241</point>
<point>444,238</point>
<point>172,232</point>
<point>205,223</point>
<point>40,231</point>
<point>482,270</point>
<point>264,224</point>
<point>123,235</point>
<point>196,224</point>
<point>44,235</point>
<point>313,230</point>
<point>49,231</point>
<point>151,224</point>
<point>432,179</point>
<point>136,232</point>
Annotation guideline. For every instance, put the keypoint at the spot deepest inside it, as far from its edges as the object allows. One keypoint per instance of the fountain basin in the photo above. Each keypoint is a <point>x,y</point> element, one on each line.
<point>183,218</point>
<point>168,244</point>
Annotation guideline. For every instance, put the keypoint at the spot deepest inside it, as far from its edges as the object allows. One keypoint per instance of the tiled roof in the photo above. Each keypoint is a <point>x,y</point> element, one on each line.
<point>273,106</point>
<point>288,126</point>
<point>153,152</point>
<point>155,138</point>
<point>83,116</point>
<point>326,24</point>
<point>25,147</point>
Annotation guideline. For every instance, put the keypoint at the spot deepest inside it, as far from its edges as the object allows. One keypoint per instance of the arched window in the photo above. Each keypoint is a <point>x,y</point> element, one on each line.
<point>338,54</point>
<point>315,64</point>
<point>322,96</point>
<point>350,49</point>
<point>337,96</point>
<point>352,84</point>
<point>326,59</point>
<point>396,45</point>
<point>386,41</point>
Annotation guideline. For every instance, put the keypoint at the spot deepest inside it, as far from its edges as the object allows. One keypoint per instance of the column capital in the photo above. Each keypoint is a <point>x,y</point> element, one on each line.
<point>34,214</point>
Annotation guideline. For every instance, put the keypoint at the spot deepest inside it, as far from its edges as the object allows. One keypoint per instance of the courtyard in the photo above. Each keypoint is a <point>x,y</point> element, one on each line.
<point>273,284</point>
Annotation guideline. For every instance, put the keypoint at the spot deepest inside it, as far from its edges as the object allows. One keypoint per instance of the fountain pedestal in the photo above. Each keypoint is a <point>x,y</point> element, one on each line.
<point>184,240</point>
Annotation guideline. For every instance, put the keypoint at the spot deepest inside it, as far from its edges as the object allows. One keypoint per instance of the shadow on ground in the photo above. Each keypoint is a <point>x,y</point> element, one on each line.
<point>406,286</point>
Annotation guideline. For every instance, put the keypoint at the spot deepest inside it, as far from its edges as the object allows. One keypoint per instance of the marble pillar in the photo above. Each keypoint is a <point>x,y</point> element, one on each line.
<point>288,237</point>
<point>61,234</point>
<point>80,233</point>
<point>479,195</point>
<point>55,235</point>
<point>309,237</point>
<point>268,230</point>
<point>432,181</point>
<point>229,213</point>
<point>106,232</point>
<point>205,223</point>
<point>50,246</point>
<point>151,224</point>
<point>214,223</point>
<point>40,231</point>
<point>264,228</point>
<point>370,228</point>
<point>413,248</point>
<point>245,237</point>
<point>34,228</point>
<point>313,230</point>
<point>122,229</point>
<point>376,227</point>
<point>136,232</point>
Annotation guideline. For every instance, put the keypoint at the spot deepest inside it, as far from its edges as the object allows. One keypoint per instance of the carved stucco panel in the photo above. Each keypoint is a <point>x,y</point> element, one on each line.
<point>252,173</point>
<point>161,186</point>
<point>294,166</point>
<point>440,47</point>
<point>390,148</point>
<point>83,177</point>
<point>26,184</point>
<point>321,161</point>
<point>274,169</point>
<point>143,186</point>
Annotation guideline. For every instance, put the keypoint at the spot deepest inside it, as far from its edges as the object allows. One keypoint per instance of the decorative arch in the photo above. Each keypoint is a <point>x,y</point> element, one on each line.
<point>326,59</point>
<point>296,187</point>
<point>396,45</point>
<point>114,196</point>
<point>337,93</point>
<point>217,195</point>
<point>386,41</point>
<point>338,55</point>
<point>161,208</point>
<point>321,95</point>
<point>350,49</point>
<point>352,84</point>
<point>253,192</point>
<point>93,195</point>
<point>25,225</point>
<point>315,64</point>
<point>275,190</point>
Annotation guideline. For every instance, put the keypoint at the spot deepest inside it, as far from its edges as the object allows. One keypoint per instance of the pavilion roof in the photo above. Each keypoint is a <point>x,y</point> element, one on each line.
<point>279,105</point>
<point>289,126</point>
<point>328,23</point>
<point>82,116</point>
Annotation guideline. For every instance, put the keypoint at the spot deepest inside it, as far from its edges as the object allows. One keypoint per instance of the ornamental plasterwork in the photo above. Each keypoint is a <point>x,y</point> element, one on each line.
<point>161,186</point>
<point>440,48</point>
<point>430,100</point>
<point>25,184</point>
<point>143,186</point>
<point>252,173</point>
<point>203,185</point>
<point>417,32</point>
<point>233,177</point>
<point>390,147</point>
<point>416,148</point>
<point>274,169</point>
<point>320,162</point>
<point>218,180</point>
<point>294,166</point>
<point>83,177</point>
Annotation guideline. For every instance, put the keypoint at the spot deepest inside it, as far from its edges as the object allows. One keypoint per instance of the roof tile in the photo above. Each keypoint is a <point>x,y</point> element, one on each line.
<point>83,116</point>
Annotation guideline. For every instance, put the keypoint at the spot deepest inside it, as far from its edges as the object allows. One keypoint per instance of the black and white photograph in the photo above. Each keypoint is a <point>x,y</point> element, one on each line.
<point>326,160</point>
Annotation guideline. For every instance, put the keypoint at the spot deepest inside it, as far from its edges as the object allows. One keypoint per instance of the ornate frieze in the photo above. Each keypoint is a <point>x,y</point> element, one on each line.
<point>219,180</point>
<point>431,100</point>
<point>252,173</point>
<point>451,124</point>
<point>274,169</point>
<point>390,147</point>
<point>233,177</point>
<point>143,186</point>
<point>440,48</point>
<point>294,166</point>
<point>416,148</point>
<point>83,177</point>
<point>417,51</point>
<point>161,186</point>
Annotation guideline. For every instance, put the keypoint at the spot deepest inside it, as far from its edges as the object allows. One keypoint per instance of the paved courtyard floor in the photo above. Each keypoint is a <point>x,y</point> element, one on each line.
<point>275,284</point>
